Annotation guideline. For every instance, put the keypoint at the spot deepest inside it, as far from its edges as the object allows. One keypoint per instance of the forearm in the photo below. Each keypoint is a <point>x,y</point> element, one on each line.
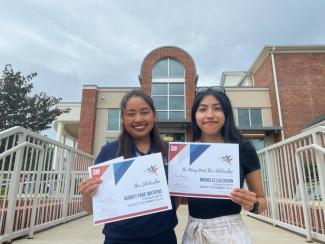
<point>262,204</point>
<point>87,204</point>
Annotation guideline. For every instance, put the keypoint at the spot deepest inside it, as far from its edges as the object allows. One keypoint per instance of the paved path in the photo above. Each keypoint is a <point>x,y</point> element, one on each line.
<point>82,231</point>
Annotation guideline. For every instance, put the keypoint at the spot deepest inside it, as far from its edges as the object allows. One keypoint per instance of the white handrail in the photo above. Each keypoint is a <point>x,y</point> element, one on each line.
<point>293,173</point>
<point>319,129</point>
<point>21,130</point>
<point>32,190</point>
<point>302,186</point>
<point>15,148</point>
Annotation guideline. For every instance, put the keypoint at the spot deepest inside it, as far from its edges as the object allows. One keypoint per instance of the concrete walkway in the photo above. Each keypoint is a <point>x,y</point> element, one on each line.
<point>82,231</point>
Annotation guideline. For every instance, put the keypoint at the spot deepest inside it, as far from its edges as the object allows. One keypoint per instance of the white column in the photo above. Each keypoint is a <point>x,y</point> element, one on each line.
<point>59,137</point>
<point>63,139</point>
<point>59,132</point>
<point>74,143</point>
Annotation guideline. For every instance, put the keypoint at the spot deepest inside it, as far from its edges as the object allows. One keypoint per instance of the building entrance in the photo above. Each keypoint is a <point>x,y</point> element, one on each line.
<point>174,136</point>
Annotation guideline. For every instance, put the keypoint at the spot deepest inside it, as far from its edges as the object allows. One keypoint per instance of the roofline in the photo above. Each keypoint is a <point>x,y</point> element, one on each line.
<point>223,75</point>
<point>267,49</point>
<point>70,103</point>
<point>111,87</point>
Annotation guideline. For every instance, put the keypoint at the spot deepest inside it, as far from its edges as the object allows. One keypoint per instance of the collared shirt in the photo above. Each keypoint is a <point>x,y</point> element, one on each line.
<point>142,226</point>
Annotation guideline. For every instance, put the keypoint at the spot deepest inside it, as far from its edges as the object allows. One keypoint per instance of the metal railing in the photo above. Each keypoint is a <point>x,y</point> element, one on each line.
<point>39,179</point>
<point>38,182</point>
<point>293,174</point>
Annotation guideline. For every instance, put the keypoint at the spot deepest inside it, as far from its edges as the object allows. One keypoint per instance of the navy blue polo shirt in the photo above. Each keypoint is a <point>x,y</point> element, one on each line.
<point>139,227</point>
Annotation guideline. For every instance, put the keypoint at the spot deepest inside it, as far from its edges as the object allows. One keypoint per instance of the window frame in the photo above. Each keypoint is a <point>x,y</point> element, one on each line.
<point>168,95</point>
<point>119,119</point>
<point>249,117</point>
<point>168,68</point>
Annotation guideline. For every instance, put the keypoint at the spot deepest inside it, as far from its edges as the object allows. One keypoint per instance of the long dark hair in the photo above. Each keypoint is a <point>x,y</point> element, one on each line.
<point>229,131</point>
<point>125,143</point>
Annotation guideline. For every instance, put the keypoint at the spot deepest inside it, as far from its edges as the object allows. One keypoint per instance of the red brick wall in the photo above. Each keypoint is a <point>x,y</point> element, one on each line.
<point>180,55</point>
<point>264,77</point>
<point>190,73</point>
<point>301,83</point>
<point>87,120</point>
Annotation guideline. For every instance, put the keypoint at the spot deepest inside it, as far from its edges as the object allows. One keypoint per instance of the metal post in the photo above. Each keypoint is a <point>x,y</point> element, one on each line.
<point>36,194</point>
<point>303,197</point>
<point>66,196</point>
<point>13,188</point>
<point>320,161</point>
<point>271,177</point>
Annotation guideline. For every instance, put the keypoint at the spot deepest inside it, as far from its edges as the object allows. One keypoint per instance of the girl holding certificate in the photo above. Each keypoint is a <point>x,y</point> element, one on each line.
<point>219,220</point>
<point>139,136</point>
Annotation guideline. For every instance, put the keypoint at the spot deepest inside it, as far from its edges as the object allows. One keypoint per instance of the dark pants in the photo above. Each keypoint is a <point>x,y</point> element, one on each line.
<point>166,237</point>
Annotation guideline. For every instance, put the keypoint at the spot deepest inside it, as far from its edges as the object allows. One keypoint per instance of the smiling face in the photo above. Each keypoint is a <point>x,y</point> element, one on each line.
<point>138,118</point>
<point>210,119</point>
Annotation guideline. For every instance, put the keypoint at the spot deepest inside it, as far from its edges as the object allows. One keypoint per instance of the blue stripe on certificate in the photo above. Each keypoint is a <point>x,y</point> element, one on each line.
<point>120,169</point>
<point>196,151</point>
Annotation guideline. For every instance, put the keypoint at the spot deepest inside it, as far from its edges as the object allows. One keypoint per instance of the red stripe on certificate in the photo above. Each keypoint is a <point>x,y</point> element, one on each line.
<point>197,195</point>
<point>132,215</point>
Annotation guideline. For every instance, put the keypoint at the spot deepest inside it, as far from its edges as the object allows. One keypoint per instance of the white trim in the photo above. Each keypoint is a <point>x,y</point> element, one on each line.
<point>169,80</point>
<point>277,92</point>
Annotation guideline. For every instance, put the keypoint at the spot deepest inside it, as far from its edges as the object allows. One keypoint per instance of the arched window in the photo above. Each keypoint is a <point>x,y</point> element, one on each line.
<point>168,67</point>
<point>168,89</point>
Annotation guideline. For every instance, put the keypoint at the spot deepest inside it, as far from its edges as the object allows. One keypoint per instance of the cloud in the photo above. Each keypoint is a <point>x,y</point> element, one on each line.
<point>71,43</point>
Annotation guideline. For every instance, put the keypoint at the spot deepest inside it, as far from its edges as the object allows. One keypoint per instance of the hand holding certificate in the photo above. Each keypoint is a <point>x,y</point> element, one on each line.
<point>130,188</point>
<point>205,170</point>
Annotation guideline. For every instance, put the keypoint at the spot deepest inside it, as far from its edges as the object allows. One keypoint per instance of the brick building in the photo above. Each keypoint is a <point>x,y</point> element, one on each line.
<point>276,98</point>
<point>298,72</point>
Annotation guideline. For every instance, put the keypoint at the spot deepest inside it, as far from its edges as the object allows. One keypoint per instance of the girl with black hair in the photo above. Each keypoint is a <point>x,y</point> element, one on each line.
<point>139,136</point>
<point>218,220</point>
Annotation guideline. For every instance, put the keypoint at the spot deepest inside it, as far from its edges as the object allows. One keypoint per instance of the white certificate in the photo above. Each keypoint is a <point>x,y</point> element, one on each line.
<point>130,188</point>
<point>204,170</point>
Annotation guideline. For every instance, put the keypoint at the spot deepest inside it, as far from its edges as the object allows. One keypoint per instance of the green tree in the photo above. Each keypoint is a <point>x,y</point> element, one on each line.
<point>19,108</point>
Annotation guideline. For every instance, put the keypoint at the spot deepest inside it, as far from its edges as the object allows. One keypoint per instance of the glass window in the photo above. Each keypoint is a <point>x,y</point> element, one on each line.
<point>162,115</point>
<point>176,103</point>
<point>258,143</point>
<point>113,119</point>
<point>160,69</point>
<point>243,118</point>
<point>168,94</point>
<point>250,117</point>
<point>176,88</point>
<point>167,67</point>
<point>256,117</point>
<point>176,115</point>
<point>175,68</point>
<point>160,102</point>
<point>169,100</point>
<point>159,88</point>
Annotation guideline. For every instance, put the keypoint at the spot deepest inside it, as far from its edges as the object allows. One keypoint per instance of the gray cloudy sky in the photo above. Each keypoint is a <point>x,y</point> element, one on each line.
<point>102,42</point>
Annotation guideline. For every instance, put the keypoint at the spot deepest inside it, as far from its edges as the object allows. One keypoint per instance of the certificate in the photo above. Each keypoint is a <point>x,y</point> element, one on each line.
<point>204,170</point>
<point>130,188</point>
